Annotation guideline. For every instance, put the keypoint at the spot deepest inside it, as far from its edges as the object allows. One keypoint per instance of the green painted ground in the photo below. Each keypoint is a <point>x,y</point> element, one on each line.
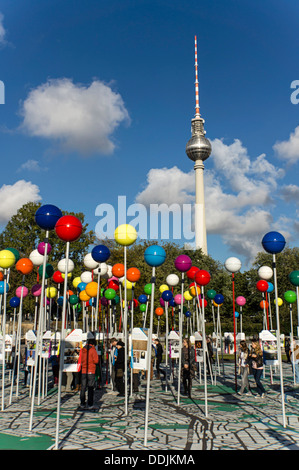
<point>8,442</point>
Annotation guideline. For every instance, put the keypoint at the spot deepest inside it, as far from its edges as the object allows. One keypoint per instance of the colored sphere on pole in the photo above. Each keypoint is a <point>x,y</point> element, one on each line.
<point>14,302</point>
<point>2,287</point>
<point>142,307</point>
<point>187,295</point>
<point>148,289</point>
<point>101,270</point>
<point>42,247</point>
<point>178,298</point>
<point>273,242</point>
<point>163,287</point>
<point>232,264</point>
<point>203,302</point>
<point>118,270</point>
<point>57,277</point>
<point>65,265</point>
<point>162,303</point>
<point>290,296</point>
<point>237,314</point>
<point>21,289</point>
<point>91,289</point>
<point>133,274</point>
<point>142,299</point>
<point>86,277</point>
<point>159,311</point>
<point>36,258</point>
<point>154,255</point>
<point>262,285</point>
<point>202,277</point>
<point>24,266</point>
<point>49,271</point>
<point>211,294</point>
<point>218,299</point>
<point>294,278</point>
<point>240,300</point>
<point>7,259</point>
<point>60,301</point>
<point>15,252</point>
<point>270,287</point>
<point>167,295</point>
<point>187,314</point>
<point>113,285</point>
<point>100,253</point>
<point>191,272</point>
<point>183,263</point>
<point>73,299</point>
<point>265,272</point>
<point>47,216</point>
<point>68,228</point>
<point>279,301</point>
<point>172,280</point>
<point>194,289</point>
<point>110,294</point>
<point>84,296</point>
<point>125,235</point>
<point>51,292</point>
<point>264,304</point>
<point>89,262</point>
<point>36,290</point>
<point>81,286</point>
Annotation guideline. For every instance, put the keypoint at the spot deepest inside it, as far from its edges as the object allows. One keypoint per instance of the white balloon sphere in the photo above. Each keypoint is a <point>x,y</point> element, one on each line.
<point>233,265</point>
<point>101,269</point>
<point>172,280</point>
<point>86,277</point>
<point>36,258</point>
<point>89,262</point>
<point>62,265</point>
<point>265,272</point>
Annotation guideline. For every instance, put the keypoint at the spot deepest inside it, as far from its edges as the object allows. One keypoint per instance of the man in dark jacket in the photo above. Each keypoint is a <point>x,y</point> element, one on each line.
<point>89,360</point>
<point>159,355</point>
<point>120,368</point>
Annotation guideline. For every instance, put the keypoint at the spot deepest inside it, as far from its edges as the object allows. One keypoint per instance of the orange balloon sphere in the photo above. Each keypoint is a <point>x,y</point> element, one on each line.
<point>192,289</point>
<point>84,296</point>
<point>70,292</point>
<point>1,276</point>
<point>118,270</point>
<point>91,289</point>
<point>159,311</point>
<point>133,274</point>
<point>24,266</point>
<point>264,304</point>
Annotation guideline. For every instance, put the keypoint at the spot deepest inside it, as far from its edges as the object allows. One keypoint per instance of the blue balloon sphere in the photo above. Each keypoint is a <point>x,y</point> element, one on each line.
<point>100,253</point>
<point>60,301</point>
<point>270,287</point>
<point>81,286</point>
<point>154,255</point>
<point>142,299</point>
<point>14,302</point>
<point>273,242</point>
<point>187,314</point>
<point>92,302</point>
<point>47,216</point>
<point>172,303</point>
<point>167,295</point>
<point>2,287</point>
<point>218,299</point>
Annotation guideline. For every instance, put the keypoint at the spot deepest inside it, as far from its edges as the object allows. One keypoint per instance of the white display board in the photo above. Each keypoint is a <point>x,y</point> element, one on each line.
<point>174,345</point>
<point>46,345</point>
<point>138,342</point>
<point>73,345</point>
<point>30,341</point>
<point>269,348</point>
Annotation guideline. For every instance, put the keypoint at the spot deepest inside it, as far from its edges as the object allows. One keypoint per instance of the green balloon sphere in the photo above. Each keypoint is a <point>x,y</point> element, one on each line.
<point>74,299</point>
<point>294,278</point>
<point>142,307</point>
<point>211,294</point>
<point>290,296</point>
<point>49,271</point>
<point>148,289</point>
<point>109,294</point>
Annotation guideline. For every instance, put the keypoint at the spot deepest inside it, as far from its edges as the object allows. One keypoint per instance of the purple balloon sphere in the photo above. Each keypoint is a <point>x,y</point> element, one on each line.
<point>104,301</point>
<point>183,263</point>
<point>41,248</point>
<point>162,303</point>
<point>36,290</point>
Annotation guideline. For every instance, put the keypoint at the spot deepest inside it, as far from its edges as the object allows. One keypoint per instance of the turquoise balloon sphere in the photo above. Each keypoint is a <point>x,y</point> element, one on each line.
<point>154,255</point>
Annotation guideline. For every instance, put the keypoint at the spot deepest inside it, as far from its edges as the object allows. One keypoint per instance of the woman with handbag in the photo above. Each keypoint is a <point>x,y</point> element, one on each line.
<point>243,360</point>
<point>256,356</point>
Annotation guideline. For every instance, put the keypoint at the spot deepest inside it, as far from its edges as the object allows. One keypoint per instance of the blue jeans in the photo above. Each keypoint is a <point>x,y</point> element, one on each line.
<point>257,373</point>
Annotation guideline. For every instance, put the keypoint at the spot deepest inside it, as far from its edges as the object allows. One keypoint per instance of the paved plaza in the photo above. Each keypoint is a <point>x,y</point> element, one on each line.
<point>233,422</point>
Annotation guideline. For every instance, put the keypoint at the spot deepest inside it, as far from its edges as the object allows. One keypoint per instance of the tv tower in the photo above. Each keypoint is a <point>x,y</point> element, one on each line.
<point>198,149</point>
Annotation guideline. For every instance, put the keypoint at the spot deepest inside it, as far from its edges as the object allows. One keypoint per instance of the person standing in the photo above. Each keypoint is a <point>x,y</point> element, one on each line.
<point>159,355</point>
<point>188,366</point>
<point>256,357</point>
<point>89,360</point>
<point>120,368</point>
<point>294,355</point>
<point>113,343</point>
<point>244,367</point>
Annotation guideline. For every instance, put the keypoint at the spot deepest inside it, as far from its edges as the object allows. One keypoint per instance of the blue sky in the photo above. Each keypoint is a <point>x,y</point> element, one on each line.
<point>99,97</point>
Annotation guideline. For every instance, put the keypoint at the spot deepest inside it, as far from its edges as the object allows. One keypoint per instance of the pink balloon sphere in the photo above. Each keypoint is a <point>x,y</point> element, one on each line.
<point>178,299</point>
<point>240,301</point>
<point>19,291</point>
<point>36,290</point>
<point>162,303</point>
<point>41,248</point>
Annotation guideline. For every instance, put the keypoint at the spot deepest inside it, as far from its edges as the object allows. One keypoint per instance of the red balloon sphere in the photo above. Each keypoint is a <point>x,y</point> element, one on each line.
<point>191,273</point>
<point>113,285</point>
<point>68,228</point>
<point>202,277</point>
<point>57,277</point>
<point>203,302</point>
<point>262,285</point>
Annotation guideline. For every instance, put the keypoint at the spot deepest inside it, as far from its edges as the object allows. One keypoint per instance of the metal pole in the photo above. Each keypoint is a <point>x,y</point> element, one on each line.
<point>180,338</point>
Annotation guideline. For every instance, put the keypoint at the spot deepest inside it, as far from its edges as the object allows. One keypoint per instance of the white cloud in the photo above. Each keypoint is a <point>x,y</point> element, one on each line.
<point>3,41</point>
<point>290,193</point>
<point>238,191</point>
<point>14,196</point>
<point>289,149</point>
<point>79,118</point>
<point>31,165</point>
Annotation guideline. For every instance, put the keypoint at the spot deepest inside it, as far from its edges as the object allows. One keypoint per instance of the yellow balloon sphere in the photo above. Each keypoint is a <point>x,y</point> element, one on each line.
<point>129,284</point>
<point>51,292</point>
<point>84,296</point>
<point>163,288</point>
<point>7,259</point>
<point>187,295</point>
<point>125,235</point>
<point>91,289</point>
<point>68,276</point>
<point>76,282</point>
<point>193,291</point>
<point>279,301</point>
<point>216,305</point>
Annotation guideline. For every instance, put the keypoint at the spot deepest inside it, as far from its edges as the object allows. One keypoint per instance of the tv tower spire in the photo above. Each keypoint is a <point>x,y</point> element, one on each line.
<point>198,149</point>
